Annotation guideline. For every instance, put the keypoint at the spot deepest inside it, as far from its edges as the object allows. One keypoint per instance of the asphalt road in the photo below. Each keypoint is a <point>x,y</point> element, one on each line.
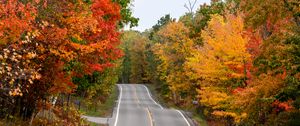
<point>136,107</point>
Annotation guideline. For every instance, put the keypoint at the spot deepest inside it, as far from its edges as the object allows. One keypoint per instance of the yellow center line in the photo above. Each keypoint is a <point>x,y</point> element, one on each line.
<point>136,97</point>
<point>150,116</point>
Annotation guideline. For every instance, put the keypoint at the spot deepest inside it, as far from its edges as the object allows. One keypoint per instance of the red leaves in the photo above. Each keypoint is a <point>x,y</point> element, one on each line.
<point>107,14</point>
<point>62,84</point>
<point>16,18</point>
<point>106,11</point>
<point>237,90</point>
<point>53,35</point>
<point>66,40</point>
<point>282,106</point>
<point>254,42</point>
<point>97,67</point>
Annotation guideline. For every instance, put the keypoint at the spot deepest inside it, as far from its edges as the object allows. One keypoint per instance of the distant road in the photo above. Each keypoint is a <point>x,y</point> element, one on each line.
<point>136,107</point>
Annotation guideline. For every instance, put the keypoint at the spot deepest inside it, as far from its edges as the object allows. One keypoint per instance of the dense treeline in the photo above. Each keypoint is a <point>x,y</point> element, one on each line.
<point>51,49</point>
<point>238,58</point>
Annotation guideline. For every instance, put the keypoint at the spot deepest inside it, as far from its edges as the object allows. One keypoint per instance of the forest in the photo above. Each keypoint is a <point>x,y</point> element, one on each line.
<point>51,50</point>
<point>234,62</point>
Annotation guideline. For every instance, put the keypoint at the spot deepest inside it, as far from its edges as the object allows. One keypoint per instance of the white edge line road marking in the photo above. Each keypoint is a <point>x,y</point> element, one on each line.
<point>151,97</point>
<point>119,102</point>
<point>183,117</point>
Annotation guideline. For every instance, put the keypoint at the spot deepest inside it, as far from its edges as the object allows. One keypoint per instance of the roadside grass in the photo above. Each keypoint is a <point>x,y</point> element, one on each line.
<point>16,121</point>
<point>102,110</point>
<point>198,117</point>
<point>157,97</point>
<point>95,124</point>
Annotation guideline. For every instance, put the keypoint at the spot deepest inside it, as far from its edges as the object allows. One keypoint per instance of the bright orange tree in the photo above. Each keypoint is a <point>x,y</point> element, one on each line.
<point>221,64</point>
<point>44,44</point>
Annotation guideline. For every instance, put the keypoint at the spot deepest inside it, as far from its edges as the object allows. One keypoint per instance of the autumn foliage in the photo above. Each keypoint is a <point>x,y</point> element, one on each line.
<point>237,61</point>
<point>47,43</point>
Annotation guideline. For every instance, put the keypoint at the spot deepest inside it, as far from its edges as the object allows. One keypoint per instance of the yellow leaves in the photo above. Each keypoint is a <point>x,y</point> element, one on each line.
<point>207,67</point>
<point>35,33</point>
<point>84,49</point>
<point>173,48</point>
<point>15,92</point>
<point>31,55</point>
<point>213,97</point>
<point>11,82</point>
<point>226,38</point>
<point>174,32</point>
<point>221,103</point>
<point>55,52</point>
<point>62,53</point>
<point>223,57</point>
<point>76,36</point>
<point>30,81</point>
<point>237,117</point>
<point>224,49</point>
<point>44,23</point>
<point>36,76</point>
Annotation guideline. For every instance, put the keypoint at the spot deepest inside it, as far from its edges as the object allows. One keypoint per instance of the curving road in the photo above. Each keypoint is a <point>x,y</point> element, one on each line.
<point>136,107</point>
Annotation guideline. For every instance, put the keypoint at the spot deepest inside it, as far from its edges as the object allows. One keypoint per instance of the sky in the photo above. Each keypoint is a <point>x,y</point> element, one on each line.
<point>150,11</point>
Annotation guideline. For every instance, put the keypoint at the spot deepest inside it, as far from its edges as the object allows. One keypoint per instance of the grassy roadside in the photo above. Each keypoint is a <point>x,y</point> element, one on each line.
<point>155,94</point>
<point>95,124</point>
<point>105,109</point>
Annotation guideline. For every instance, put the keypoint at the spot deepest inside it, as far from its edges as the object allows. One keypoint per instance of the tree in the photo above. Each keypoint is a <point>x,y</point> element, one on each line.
<point>172,51</point>
<point>134,62</point>
<point>46,44</point>
<point>190,6</point>
<point>224,54</point>
<point>160,23</point>
<point>126,14</point>
<point>198,21</point>
<point>220,65</point>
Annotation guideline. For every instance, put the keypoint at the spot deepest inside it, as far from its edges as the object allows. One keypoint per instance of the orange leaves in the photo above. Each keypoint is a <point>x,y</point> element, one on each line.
<point>260,92</point>
<point>107,13</point>
<point>31,55</point>
<point>16,19</point>
<point>97,67</point>
<point>84,49</point>
<point>254,42</point>
<point>282,106</point>
<point>37,44</point>
<point>102,8</point>
<point>53,35</point>
<point>62,83</point>
<point>222,64</point>
<point>81,24</point>
<point>62,53</point>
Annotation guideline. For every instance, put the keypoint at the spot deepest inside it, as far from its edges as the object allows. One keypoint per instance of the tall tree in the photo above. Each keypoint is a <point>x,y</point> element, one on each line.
<point>173,49</point>
<point>160,23</point>
<point>220,65</point>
